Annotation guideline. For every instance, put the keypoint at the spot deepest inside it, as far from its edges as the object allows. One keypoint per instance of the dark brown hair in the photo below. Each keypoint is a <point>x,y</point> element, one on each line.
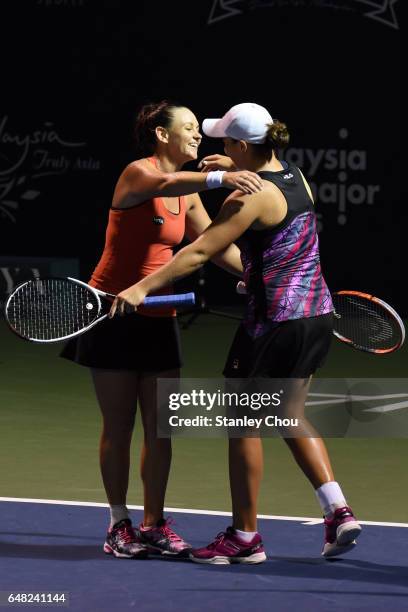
<point>276,138</point>
<point>149,117</point>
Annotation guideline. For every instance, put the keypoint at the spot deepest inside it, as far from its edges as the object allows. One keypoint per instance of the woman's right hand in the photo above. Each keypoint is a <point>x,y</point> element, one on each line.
<point>243,180</point>
<point>216,162</point>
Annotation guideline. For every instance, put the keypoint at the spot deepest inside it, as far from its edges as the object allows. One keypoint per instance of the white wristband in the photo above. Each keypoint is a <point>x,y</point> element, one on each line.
<point>214,179</point>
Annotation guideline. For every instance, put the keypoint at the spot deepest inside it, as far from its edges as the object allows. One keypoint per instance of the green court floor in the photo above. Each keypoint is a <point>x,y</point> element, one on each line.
<point>49,429</point>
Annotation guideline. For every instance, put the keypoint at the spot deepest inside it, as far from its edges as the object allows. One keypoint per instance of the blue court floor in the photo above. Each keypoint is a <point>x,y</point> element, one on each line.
<point>58,548</point>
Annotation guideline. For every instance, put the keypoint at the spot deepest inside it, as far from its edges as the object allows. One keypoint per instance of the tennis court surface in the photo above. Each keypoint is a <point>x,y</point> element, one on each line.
<point>50,426</point>
<point>57,547</point>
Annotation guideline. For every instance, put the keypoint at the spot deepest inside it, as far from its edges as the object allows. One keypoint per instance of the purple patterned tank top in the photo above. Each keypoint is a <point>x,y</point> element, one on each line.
<point>282,269</point>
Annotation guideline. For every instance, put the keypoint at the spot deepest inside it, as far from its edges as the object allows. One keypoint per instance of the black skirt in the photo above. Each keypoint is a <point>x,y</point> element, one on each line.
<point>133,342</point>
<point>291,349</point>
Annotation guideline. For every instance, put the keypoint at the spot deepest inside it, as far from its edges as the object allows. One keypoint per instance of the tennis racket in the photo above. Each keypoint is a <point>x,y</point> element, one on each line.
<point>54,309</point>
<point>363,321</point>
<point>367,323</point>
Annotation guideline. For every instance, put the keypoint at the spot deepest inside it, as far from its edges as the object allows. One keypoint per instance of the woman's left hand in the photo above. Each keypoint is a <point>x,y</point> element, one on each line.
<point>216,162</point>
<point>127,301</point>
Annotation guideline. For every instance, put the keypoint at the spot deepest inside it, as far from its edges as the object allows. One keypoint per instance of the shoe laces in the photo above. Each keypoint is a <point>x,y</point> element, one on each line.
<point>126,533</point>
<point>168,532</point>
<point>217,540</point>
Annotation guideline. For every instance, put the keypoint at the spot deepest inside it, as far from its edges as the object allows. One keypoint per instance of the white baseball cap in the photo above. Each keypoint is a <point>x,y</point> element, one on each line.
<point>247,121</point>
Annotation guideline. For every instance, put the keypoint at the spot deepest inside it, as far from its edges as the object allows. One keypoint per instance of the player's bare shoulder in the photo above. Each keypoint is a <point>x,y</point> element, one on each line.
<point>272,206</point>
<point>238,199</point>
<point>131,186</point>
<point>239,206</point>
<point>138,170</point>
<point>268,207</point>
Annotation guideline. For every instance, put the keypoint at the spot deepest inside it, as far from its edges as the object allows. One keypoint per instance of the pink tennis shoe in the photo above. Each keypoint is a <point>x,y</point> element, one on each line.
<point>122,542</point>
<point>229,548</point>
<point>341,532</point>
<point>161,540</point>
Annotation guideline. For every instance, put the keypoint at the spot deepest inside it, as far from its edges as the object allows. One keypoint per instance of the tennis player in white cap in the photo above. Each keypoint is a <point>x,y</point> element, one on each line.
<point>288,322</point>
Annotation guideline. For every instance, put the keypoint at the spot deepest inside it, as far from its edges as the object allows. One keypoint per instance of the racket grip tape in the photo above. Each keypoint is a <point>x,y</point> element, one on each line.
<point>178,299</point>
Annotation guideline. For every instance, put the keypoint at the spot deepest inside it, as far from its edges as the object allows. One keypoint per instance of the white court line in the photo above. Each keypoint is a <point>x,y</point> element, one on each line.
<point>303,519</point>
<point>388,407</point>
<point>342,399</point>
<point>359,397</point>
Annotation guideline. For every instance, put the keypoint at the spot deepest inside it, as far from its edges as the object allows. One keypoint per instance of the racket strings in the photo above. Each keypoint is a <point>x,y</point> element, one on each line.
<point>51,308</point>
<point>373,320</point>
<point>365,323</point>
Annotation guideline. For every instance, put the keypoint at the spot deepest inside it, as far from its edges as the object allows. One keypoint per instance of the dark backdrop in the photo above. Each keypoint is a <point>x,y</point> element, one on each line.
<point>75,71</point>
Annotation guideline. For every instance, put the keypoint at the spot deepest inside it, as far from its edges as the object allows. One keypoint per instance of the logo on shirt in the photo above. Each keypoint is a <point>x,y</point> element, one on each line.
<point>158,220</point>
<point>288,176</point>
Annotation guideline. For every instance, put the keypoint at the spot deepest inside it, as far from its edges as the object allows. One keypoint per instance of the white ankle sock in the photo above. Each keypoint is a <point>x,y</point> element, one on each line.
<point>330,497</point>
<point>118,513</point>
<point>245,536</point>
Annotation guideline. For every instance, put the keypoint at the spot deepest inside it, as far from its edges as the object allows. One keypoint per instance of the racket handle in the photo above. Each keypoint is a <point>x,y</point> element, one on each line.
<point>180,299</point>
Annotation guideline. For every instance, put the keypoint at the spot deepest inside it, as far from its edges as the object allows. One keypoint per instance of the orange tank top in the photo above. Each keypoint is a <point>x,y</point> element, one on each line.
<point>139,240</point>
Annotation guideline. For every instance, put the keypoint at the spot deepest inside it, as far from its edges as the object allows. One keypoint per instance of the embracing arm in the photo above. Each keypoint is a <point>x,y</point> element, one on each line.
<point>237,214</point>
<point>197,220</point>
<point>229,260</point>
<point>141,180</point>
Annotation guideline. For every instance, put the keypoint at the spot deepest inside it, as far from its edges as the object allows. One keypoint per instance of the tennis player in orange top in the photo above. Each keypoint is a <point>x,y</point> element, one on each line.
<point>287,326</point>
<point>154,206</point>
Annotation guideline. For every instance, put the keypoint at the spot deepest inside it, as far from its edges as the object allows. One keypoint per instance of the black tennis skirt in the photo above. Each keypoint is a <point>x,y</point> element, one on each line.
<point>133,342</point>
<point>291,349</point>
